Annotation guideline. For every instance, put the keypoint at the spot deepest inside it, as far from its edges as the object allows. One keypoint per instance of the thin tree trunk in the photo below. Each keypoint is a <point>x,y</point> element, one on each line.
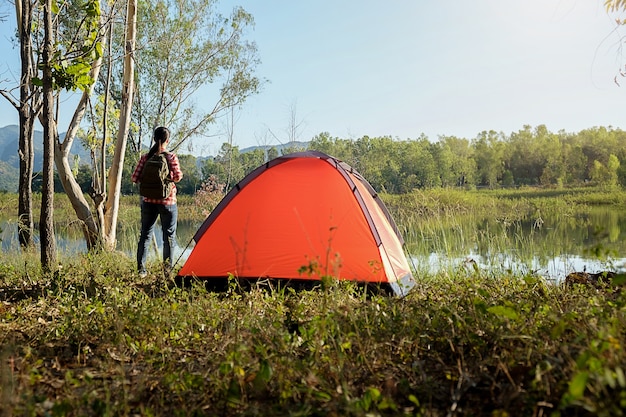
<point>115,172</point>
<point>105,113</point>
<point>100,183</point>
<point>26,154</point>
<point>46,222</point>
<point>77,199</point>
<point>25,192</point>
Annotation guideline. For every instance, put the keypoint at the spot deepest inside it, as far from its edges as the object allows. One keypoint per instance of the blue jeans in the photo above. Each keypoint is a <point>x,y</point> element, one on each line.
<point>169,218</point>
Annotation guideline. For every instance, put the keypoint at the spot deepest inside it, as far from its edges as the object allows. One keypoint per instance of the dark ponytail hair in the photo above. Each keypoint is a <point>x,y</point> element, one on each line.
<point>160,136</point>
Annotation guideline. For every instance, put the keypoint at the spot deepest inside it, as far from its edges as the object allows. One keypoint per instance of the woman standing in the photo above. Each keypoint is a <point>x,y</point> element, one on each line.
<point>165,208</point>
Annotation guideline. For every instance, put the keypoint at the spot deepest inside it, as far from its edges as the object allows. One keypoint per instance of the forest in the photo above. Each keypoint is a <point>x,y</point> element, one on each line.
<point>528,157</point>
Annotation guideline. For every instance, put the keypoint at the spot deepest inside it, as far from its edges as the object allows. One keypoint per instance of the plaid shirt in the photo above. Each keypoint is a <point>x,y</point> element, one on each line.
<point>175,175</point>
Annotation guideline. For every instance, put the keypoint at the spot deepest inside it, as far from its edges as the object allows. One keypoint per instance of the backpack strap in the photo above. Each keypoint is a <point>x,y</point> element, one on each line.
<point>169,165</point>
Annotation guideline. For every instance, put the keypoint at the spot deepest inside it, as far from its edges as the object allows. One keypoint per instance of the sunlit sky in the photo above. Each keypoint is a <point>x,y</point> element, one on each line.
<point>404,68</point>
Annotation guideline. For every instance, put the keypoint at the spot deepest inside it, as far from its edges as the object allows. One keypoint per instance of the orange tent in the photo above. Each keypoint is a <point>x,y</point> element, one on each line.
<point>301,216</point>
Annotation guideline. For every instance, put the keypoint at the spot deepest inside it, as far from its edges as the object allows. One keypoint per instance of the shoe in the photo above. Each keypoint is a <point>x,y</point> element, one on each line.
<point>143,274</point>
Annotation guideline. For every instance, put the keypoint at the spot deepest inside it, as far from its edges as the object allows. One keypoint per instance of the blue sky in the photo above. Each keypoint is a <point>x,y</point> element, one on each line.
<point>403,68</point>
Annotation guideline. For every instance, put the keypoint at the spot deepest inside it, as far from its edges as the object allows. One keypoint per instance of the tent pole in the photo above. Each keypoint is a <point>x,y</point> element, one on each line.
<point>408,255</point>
<point>181,253</point>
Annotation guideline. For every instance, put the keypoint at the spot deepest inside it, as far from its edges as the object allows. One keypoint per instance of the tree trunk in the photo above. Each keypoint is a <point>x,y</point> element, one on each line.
<point>25,192</point>
<point>46,222</point>
<point>77,199</point>
<point>115,172</point>
<point>99,191</point>
<point>27,115</point>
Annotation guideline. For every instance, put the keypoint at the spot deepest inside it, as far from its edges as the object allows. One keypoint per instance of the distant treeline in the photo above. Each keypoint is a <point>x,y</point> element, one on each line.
<point>531,156</point>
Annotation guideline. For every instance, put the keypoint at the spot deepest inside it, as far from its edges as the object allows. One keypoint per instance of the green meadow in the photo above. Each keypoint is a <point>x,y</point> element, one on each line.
<point>94,339</point>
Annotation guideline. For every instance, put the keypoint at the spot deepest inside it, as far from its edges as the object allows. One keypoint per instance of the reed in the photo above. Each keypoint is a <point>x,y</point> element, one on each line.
<point>522,229</point>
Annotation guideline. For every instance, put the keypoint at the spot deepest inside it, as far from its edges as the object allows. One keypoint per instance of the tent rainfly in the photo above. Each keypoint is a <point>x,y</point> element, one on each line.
<point>301,217</point>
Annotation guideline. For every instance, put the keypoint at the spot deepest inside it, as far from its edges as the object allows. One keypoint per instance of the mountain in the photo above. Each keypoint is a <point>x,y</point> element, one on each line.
<point>8,177</point>
<point>289,145</point>
<point>9,160</point>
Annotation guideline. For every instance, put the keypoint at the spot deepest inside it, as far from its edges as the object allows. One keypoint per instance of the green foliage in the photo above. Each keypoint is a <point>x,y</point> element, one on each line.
<point>192,179</point>
<point>527,157</point>
<point>186,45</point>
<point>77,45</point>
<point>530,157</point>
<point>94,338</point>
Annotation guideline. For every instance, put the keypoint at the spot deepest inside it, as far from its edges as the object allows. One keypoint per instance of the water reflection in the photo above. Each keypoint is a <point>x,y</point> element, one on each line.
<point>549,245</point>
<point>70,239</point>
<point>554,269</point>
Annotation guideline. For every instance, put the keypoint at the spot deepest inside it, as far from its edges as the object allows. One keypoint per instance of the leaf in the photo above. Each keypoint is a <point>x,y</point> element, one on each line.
<point>614,5</point>
<point>322,396</point>
<point>558,329</point>
<point>582,359</point>
<point>504,311</point>
<point>578,384</point>
<point>619,279</point>
<point>610,378</point>
<point>265,371</point>
<point>619,374</point>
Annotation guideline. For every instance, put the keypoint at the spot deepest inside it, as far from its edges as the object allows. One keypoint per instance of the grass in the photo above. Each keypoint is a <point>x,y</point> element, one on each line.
<point>507,204</point>
<point>528,226</point>
<point>94,339</point>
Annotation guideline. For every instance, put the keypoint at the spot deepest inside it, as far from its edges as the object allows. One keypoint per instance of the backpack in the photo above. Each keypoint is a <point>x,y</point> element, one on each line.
<point>155,177</point>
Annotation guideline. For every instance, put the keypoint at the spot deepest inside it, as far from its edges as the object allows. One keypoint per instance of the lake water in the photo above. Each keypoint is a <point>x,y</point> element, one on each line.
<point>551,246</point>
<point>70,240</point>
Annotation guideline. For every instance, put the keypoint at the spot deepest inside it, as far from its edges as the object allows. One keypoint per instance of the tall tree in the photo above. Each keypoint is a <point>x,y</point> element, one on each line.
<point>83,53</point>
<point>69,64</point>
<point>182,45</point>
<point>488,151</point>
<point>445,163</point>
<point>115,173</point>
<point>419,165</point>
<point>554,165</point>
<point>192,180</point>
<point>30,102</point>
<point>186,47</point>
<point>575,162</point>
<point>28,107</point>
<point>46,222</point>
<point>525,157</point>
<point>463,165</point>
